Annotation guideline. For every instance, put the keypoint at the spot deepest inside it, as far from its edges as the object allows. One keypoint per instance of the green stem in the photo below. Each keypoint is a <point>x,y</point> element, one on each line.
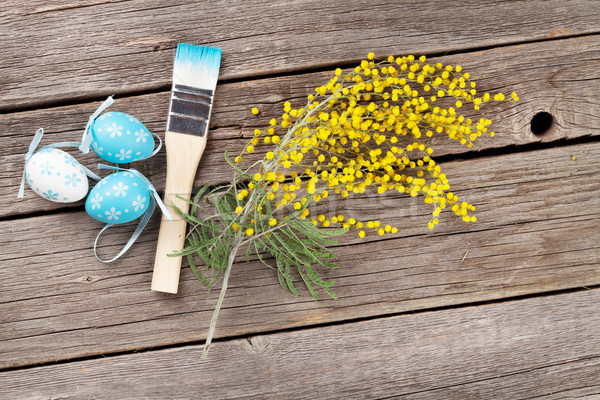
<point>213,321</point>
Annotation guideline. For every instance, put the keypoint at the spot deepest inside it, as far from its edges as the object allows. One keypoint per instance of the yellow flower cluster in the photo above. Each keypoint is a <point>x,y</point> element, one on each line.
<point>367,128</point>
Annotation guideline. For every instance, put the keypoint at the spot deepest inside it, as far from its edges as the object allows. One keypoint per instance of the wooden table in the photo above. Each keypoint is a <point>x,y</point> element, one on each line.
<point>506,308</point>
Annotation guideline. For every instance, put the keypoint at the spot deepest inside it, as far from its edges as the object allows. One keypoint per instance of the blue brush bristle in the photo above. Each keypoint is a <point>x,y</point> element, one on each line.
<point>197,66</point>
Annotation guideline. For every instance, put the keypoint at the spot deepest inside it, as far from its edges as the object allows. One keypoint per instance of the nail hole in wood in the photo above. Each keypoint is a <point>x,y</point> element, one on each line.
<point>541,123</point>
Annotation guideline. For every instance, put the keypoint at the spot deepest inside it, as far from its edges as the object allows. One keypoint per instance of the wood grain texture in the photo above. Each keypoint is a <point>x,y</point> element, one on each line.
<point>536,232</point>
<point>566,88</point>
<point>539,347</point>
<point>537,229</point>
<point>69,51</point>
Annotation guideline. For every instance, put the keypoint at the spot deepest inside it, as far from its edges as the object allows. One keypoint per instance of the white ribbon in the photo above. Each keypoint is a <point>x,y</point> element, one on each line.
<point>32,146</point>
<point>133,237</point>
<point>87,138</point>
<point>160,143</point>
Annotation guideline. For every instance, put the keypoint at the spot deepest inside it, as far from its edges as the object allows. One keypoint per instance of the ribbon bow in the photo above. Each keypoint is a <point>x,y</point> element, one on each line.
<point>87,138</point>
<point>154,199</point>
<point>32,146</point>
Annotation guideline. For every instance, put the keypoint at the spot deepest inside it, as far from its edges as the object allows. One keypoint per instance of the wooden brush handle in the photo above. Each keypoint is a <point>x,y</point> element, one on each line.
<point>183,155</point>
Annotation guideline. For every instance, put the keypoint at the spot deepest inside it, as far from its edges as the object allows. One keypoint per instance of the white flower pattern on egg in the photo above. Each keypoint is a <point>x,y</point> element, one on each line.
<point>96,201</point>
<point>134,119</point>
<point>97,149</point>
<point>112,214</point>
<point>124,155</point>
<point>138,203</point>
<point>115,130</point>
<point>120,189</point>
<point>141,135</point>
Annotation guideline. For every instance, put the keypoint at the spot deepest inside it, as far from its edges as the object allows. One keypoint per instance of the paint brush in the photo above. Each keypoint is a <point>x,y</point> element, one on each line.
<point>195,75</point>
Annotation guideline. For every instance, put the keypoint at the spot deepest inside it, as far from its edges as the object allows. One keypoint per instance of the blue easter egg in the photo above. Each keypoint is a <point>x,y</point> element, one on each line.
<point>118,198</point>
<point>120,138</point>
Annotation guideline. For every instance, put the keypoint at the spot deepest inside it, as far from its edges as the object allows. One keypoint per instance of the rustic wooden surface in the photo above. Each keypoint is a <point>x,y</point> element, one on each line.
<point>528,239</point>
<point>506,308</point>
<point>81,50</point>
<point>510,350</point>
<point>555,86</point>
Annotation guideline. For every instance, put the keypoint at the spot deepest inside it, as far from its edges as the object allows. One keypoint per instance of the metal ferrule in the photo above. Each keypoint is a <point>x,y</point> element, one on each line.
<point>190,110</point>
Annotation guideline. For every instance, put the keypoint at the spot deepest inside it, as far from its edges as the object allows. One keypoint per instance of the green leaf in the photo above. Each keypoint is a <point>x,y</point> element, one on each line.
<point>282,281</point>
<point>290,280</point>
<point>309,285</point>
<point>314,276</point>
<point>330,293</point>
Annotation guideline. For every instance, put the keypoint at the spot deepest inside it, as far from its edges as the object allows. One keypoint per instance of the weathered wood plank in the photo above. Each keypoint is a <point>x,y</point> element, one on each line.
<point>567,89</point>
<point>536,231</point>
<point>538,347</point>
<point>66,51</point>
